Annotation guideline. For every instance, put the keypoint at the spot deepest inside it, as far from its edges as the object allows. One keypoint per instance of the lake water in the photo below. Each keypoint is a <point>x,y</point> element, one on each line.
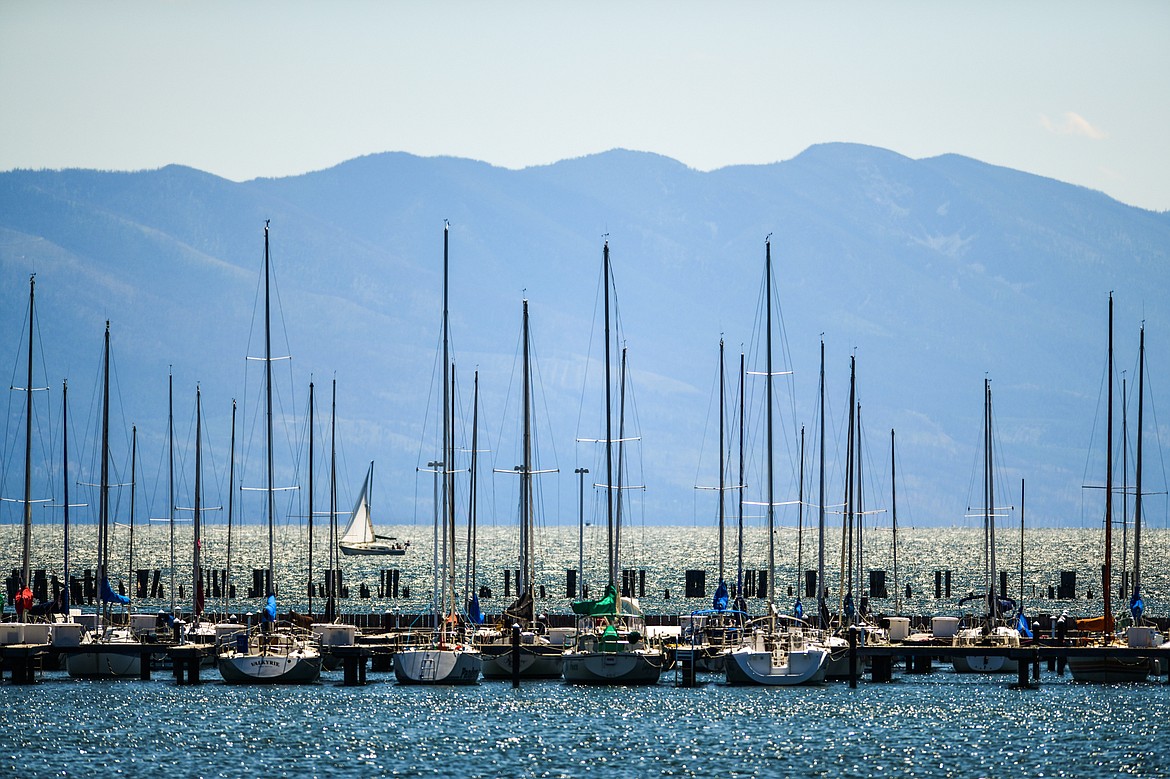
<point>941,724</point>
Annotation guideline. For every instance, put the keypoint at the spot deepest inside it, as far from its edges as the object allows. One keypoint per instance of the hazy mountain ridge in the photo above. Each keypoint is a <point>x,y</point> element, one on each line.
<point>937,271</point>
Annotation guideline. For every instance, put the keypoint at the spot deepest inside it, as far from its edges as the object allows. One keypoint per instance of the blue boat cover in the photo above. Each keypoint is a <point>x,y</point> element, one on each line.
<point>269,614</point>
<point>1023,625</point>
<point>798,609</point>
<point>109,596</point>
<point>721,597</point>
<point>849,611</point>
<point>473,610</point>
<point>1137,605</point>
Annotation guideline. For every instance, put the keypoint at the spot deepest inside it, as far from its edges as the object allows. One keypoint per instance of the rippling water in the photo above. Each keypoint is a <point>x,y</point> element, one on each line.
<point>942,724</point>
<point>665,553</point>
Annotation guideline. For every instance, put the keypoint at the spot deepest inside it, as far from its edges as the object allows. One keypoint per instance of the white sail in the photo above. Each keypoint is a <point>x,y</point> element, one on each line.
<point>361,527</point>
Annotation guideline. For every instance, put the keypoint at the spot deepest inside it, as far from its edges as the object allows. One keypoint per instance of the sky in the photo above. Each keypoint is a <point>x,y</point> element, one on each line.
<point>1077,91</point>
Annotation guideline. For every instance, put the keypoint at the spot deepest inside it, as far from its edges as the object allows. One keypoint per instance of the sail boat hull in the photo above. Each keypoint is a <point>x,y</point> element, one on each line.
<point>370,548</point>
<point>542,661</point>
<point>745,666</point>
<point>1109,670</point>
<point>437,666</point>
<point>294,667</point>
<point>116,656</point>
<point>612,667</point>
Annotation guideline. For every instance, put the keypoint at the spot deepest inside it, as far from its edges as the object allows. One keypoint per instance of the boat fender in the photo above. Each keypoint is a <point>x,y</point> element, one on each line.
<point>634,637</point>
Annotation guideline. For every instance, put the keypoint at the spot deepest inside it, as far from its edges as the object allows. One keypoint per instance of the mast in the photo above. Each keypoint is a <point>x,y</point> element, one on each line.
<point>1021,608</point>
<point>722,467</point>
<point>992,570</point>
<point>65,471</point>
<point>446,461</point>
<point>268,400</point>
<point>608,430</point>
<point>768,384</point>
<point>227,599</point>
<point>847,517</point>
<point>526,526</point>
<point>28,391</point>
<point>171,476</point>
<point>449,518</point>
<point>196,518</point>
<point>334,561</point>
<point>1107,584</point>
<point>311,405</point>
<point>1137,507</point>
<point>894,509</point>
<point>104,489</point>
<point>821,615</point>
<point>859,514</point>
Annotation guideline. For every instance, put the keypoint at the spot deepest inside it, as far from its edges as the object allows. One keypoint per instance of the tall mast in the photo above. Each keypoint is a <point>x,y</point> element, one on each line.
<point>821,503</point>
<point>445,458</point>
<point>894,509</point>
<point>859,513</point>
<point>847,517</point>
<point>722,480</point>
<point>104,489</point>
<point>171,476</point>
<point>334,562</point>
<point>65,472</point>
<point>991,570</point>
<point>1021,609</point>
<point>268,400</point>
<point>608,429</point>
<point>526,473</point>
<point>1137,507</point>
<point>311,405</point>
<point>768,384</point>
<point>28,391</point>
<point>449,528</point>
<point>227,599</point>
<point>1107,584</point>
<point>196,519</point>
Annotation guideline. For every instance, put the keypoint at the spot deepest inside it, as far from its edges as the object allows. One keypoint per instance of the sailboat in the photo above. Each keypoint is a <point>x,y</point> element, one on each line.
<point>448,659</point>
<point>1106,669</point>
<point>994,632</point>
<point>269,653</point>
<point>775,650</point>
<point>609,645</point>
<point>109,651</point>
<point>359,537</point>
<point>538,658</point>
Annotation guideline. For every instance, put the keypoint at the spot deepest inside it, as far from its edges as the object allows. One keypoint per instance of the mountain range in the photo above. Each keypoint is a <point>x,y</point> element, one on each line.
<point>933,273</point>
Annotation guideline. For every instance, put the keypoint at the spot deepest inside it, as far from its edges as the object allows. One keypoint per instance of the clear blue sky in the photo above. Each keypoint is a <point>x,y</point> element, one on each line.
<point>1077,91</point>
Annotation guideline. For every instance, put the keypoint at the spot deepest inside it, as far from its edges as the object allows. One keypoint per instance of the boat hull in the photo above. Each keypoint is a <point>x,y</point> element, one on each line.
<point>536,662</point>
<point>373,548</point>
<point>100,663</point>
<point>612,667</point>
<point>984,664</point>
<point>302,667</point>
<point>750,666</point>
<point>1109,670</point>
<point>437,666</point>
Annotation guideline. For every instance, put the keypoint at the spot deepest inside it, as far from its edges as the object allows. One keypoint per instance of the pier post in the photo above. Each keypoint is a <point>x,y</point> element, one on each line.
<point>515,655</point>
<point>881,668</point>
<point>144,666</point>
<point>853,657</point>
<point>193,663</point>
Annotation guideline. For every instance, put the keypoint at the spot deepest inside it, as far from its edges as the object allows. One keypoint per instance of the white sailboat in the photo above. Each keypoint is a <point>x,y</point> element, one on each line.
<point>994,632</point>
<point>610,644</point>
<point>775,650</point>
<point>359,537</point>
<point>449,659</point>
<point>269,653</point>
